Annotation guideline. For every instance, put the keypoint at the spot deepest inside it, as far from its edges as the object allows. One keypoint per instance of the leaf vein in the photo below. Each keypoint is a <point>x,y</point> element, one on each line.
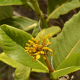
<point>73,48</point>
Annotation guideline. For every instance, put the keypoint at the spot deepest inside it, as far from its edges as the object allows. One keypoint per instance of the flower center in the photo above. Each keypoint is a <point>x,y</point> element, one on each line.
<point>36,49</point>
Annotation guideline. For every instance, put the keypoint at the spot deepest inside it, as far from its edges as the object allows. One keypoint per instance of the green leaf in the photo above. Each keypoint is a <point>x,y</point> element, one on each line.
<point>36,30</point>
<point>67,42</point>
<point>60,7</point>
<point>4,58</point>
<point>52,31</point>
<point>13,41</point>
<point>22,73</point>
<point>43,23</point>
<point>38,70</point>
<point>71,64</point>
<point>8,60</point>
<point>23,23</point>
<point>6,12</point>
<point>11,2</point>
<point>28,5</point>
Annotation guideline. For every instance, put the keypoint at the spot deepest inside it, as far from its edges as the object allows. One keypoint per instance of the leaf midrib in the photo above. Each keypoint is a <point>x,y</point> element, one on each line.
<point>56,10</point>
<point>24,73</point>
<point>23,48</point>
<point>72,49</point>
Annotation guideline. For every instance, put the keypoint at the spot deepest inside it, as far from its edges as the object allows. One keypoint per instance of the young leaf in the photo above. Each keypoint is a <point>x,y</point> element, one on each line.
<point>67,42</point>
<point>20,23</point>
<point>5,12</point>
<point>52,31</point>
<point>28,5</point>
<point>22,73</point>
<point>71,64</point>
<point>13,41</point>
<point>43,23</point>
<point>8,60</point>
<point>59,7</point>
<point>36,30</point>
<point>11,2</point>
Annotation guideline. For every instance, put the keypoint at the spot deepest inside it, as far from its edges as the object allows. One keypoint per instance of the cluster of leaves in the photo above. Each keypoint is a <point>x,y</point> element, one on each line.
<point>13,38</point>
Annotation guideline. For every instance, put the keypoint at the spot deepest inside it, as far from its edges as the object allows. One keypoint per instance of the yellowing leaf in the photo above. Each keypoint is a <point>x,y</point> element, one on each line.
<point>68,41</point>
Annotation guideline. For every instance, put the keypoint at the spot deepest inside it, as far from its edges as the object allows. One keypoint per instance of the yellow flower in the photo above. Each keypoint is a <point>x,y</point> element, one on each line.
<point>38,57</point>
<point>36,49</point>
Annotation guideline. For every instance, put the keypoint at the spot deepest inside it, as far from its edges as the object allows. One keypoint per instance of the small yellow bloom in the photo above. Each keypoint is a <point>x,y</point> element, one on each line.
<point>38,42</point>
<point>28,44</point>
<point>35,46</point>
<point>42,52</point>
<point>48,43</point>
<point>50,50</point>
<point>45,48</point>
<point>41,37</point>
<point>27,48</point>
<point>37,53</point>
<point>36,49</point>
<point>34,39</point>
<point>38,57</point>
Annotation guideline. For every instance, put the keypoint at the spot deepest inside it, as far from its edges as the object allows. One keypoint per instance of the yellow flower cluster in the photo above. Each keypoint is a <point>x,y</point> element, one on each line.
<point>36,49</point>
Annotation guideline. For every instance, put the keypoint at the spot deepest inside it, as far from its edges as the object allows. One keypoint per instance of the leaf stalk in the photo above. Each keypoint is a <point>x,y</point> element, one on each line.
<point>36,7</point>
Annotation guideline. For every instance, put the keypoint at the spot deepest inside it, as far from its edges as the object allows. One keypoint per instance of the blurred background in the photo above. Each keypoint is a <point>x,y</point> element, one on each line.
<point>7,72</point>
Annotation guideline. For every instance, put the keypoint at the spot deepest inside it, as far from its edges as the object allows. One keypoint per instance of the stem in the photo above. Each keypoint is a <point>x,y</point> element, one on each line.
<point>36,7</point>
<point>52,77</point>
<point>48,65</point>
<point>51,71</point>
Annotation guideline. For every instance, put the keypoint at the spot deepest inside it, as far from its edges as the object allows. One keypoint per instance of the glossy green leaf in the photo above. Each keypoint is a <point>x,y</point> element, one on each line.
<point>11,2</point>
<point>23,23</point>
<point>52,31</point>
<point>13,41</point>
<point>67,42</point>
<point>71,64</point>
<point>8,60</point>
<point>60,7</point>
<point>22,73</point>
<point>6,12</point>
